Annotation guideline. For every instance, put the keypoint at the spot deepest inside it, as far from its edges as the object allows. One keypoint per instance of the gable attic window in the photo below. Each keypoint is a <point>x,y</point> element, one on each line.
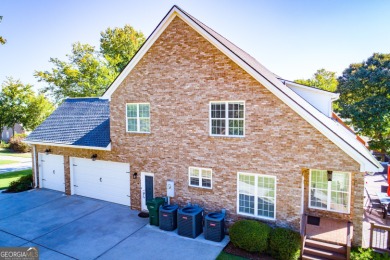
<point>138,118</point>
<point>330,191</point>
<point>227,118</point>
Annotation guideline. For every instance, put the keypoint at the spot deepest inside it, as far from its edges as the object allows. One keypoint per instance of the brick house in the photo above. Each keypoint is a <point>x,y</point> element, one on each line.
<point>193,108</point>
<point>7,132</point>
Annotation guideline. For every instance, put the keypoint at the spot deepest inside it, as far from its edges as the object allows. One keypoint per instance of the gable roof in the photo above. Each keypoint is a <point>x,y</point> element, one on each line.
<point>334,95</point>
<point>331,129</point>
<point>77,122</point>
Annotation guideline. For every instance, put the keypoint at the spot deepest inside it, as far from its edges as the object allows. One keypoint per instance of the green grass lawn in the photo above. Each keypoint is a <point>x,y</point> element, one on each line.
<point>7,152</point>
<point>2,162</point>
<point>7,178</point>
<point>225,256</point>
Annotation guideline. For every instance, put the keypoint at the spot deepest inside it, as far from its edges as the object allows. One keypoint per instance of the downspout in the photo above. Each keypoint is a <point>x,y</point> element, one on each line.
<point>35,168</point>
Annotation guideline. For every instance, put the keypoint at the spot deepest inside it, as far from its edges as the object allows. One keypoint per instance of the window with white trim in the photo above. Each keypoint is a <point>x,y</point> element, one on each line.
<point>138,117</point>
<point>227,118</point>
<point>330,190</point>
<point>256,195</point>
<point>200,177</point>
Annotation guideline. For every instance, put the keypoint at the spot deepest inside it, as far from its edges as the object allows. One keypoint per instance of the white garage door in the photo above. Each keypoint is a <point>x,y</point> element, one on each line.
<point>51,172</point>
<point>102,180</point>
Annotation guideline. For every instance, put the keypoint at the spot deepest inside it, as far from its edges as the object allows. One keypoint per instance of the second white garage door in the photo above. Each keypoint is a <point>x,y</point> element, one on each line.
<point>102,180</point>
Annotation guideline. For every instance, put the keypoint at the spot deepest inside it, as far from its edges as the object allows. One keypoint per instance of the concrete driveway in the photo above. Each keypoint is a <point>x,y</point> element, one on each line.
<point>66,227</point>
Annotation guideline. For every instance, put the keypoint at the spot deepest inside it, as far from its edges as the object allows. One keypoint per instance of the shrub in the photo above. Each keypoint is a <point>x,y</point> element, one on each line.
<point>250,235</point>
<point>367,254</point>
<point>4,145</point>
<point>22,184</point>
<point>16,144</point>
<point>285,244</point>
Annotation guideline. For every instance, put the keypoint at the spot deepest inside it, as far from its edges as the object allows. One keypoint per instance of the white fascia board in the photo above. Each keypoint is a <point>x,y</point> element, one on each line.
<point>134,61</point>
<point>365,165</point>
<point>334,96</point>
<point>108,148</point>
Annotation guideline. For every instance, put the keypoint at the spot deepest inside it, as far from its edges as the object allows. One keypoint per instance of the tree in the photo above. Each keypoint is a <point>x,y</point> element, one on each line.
<point>88,72</point>
<point>365,99</point>
<point>2,40</point>
<point>85,74</point>
<point>19,104</point>
<point>322,79</point>
<point>38,109</point>
<point>119,45</point>
<point>15,97</point>
<point>2,115</point>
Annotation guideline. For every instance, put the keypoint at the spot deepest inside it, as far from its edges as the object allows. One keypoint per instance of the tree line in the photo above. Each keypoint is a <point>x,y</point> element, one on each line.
<point>87,72</point>
<point>364,101</point>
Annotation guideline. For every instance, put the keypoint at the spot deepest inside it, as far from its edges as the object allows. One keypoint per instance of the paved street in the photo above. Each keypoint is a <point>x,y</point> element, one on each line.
<point>22,164</point>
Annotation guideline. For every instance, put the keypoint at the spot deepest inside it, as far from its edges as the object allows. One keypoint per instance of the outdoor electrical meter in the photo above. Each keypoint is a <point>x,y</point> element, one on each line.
<point>170,189</point>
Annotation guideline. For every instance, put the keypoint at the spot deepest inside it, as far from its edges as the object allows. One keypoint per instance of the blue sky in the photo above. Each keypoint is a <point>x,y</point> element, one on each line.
<point>291,38</point>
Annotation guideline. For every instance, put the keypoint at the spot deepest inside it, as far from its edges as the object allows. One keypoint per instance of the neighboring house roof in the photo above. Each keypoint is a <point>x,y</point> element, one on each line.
<point>331,129</point>
<point>77,122</point>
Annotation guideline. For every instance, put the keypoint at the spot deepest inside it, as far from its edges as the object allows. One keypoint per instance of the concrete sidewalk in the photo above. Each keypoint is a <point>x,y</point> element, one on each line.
<point>74,227</point>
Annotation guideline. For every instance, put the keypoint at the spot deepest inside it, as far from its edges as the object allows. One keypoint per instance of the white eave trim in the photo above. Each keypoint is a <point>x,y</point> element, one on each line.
<point>284,93</point>
<point>108,148</point>
<point>334,96</point>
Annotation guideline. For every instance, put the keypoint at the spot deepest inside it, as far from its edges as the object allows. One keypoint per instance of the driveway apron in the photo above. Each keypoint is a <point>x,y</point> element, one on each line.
<point>94,234</point>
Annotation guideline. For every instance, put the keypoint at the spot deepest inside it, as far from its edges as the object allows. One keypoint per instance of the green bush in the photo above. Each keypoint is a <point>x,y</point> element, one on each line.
<point>285,244</point>
<point>367,254</point>
<point>22,184</point>
<point>16,144</point>
<point>4,145</point>
<point>250,235</point>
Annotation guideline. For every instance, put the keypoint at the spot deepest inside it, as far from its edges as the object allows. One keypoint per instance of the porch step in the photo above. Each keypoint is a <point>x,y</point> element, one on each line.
<point>326,246</point>
<point>314,250</point>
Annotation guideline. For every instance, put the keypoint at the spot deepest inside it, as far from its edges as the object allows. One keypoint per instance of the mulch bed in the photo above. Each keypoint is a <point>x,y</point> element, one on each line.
<point>231,249</point>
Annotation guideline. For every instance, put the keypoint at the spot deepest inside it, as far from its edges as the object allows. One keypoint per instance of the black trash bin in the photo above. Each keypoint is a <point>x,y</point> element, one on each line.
<point>214,228</point>
<point>153,206</point>
<point>168,217</point>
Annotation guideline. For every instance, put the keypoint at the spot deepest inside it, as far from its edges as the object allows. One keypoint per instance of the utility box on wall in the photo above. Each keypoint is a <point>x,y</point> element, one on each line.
<point>170,189</point>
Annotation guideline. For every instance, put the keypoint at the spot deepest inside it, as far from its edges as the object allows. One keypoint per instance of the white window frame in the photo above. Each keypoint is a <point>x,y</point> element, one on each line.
<point>329,198</point>
<point>256,201</point>
<point>138,119</point>
<point>226,118</point>
<point>200,177</point>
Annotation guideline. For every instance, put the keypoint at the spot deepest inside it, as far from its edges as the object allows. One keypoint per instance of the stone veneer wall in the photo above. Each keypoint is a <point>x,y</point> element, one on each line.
<point>179,75</point>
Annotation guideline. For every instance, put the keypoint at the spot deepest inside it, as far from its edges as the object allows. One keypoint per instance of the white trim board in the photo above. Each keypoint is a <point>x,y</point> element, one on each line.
<point>108,148</point>
<point>322,123</point>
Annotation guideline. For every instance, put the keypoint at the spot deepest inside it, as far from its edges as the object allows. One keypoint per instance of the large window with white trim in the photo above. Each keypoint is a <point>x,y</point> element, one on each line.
<point>330,190</point>
<point>227,118</point>
<point>138,117</point>
<point>256,195</point>
<point>200,177</point>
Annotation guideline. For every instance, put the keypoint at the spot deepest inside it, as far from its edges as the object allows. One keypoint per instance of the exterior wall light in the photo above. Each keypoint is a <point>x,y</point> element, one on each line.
<point>135,175</point>
<point>47,151</point>
<point>93,157</point>
<point>330,175</point>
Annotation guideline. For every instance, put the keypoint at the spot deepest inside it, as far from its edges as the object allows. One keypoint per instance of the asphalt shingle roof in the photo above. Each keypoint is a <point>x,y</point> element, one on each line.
<point>77,121</point>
